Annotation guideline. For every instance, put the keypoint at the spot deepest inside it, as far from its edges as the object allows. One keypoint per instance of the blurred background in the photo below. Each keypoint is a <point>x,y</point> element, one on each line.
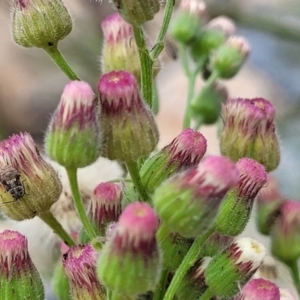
<point>31,84</point>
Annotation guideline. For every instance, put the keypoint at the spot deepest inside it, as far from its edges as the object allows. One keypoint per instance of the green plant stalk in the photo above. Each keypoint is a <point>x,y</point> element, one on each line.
<point>161,287</point>
<point>52,222</point>
<point>133,170</point>
<point>146,65</point>
<point>159,43</point>
<point>294,270</point>
<point>188,261</point>
<point>57,57</point>
<point>206,295</point>
<point>72,175</point>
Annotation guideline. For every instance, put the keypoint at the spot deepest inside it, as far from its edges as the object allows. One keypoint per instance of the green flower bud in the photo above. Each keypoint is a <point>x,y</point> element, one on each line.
<point>236,208</point>
<point>19,279</point>
<point>188,21</point>
<point>60,284</point>
<point>184,152</point>
<point>130,262</point>
<point>137,12</point>
<point>249,131</point>
<point>73,138</point>
<point>228,59</point>
<point>130,131</point>
<point>39,23</point>
<point>228,271</point>
<point>29,185</point>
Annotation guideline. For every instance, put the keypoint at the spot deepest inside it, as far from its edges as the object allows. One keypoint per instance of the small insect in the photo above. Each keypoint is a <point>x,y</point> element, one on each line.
<point>10,178</point>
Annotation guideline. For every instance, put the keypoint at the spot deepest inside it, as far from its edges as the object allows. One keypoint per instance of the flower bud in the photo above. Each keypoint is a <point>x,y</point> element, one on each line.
<point>80,267</point>
<point>119,51</point>
<point>235,210</point>
<point>259,289</point>
<point>137,12</point>
<point>184,152</point>
<point>232,268</point>
<point>213,35</point>
<point>129,263</point>
<point>73,138</point>
<point>105,205</point>
<point>19,279</point>
<point>39,23</point>
<point>188,202</point>
<point>29,185</point>
<point>206,105</point>
<point>188,21</point>
<point>285,234</point>
<point>60,284</point>
<point>269,202</point>
<point>228,59</point>
<point>193,284</point>
<point>130,131</point>
<point>249,131</point>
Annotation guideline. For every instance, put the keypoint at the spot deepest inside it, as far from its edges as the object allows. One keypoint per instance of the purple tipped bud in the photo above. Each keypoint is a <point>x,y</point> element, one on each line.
<point>130,261</point>
<point>188,202</point>
<point>269,202</point>
<point>184,152</point>
<point>249,131</point>
<point>285,234</point>
<point>259,289</point>
<point>236,208</point>
<point>119,51</point>
<point>73,138</point>
<point>28,184</point>
<point>39,23</point>
<point>228,59</point>
<point>105,205</point>
<point>137,12</point>
<point>80,268</point>
<point>233,267</point>
<point>18,276</point>
<point>129,128</point>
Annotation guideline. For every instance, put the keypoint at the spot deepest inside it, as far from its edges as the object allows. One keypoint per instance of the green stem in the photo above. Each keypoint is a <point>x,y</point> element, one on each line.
<point>188,261</point>
<point>159,43</point>
<point>161,287</point>
<point>191,88</point>
<point>60,61</point>
<point>72,175</point>
<point>52,222</point>
<point>212,79</point>
<point>133,170</point>
<point>146,65</point>
<point>294,270</point>
<point>206,295</point>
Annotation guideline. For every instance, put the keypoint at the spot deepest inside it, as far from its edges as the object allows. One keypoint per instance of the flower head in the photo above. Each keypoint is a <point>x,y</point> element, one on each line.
<point>29,185</point>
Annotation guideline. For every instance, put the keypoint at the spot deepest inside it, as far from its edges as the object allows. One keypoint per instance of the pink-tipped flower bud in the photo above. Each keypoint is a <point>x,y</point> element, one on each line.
<point>259,288</point>
<point>80,268</point>
<point>285,234</point>
<point>269,202</point>
<point>74,138</point>
<point>130,131</point>
<point>193,284</point>
<point>28,184</point>
<point>188,202</point>
<point>105,205</point>
<point>40,23</point>
<point>212,36</point>
<point>18,276</point>
<point>119,51</point>
<point>229,270</point>
<point>184,152</point>
<point>228,59</point>
<point>130,261</point>
<point>249,131</point>
<point>206,105</point>
<point>137,12</point>
<point>188,21</point>
<point>235,210</point>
